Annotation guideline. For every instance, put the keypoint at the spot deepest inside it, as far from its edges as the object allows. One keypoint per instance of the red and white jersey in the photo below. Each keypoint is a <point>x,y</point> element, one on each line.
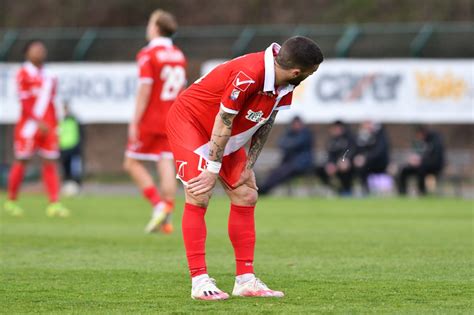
<point>244,86</point>
<point>164,66</point>
<point>36,90</point>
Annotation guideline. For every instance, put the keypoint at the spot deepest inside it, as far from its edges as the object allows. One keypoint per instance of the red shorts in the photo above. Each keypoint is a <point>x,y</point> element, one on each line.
<point>185,137</point>
<point>149,147</point>
<point>190,164</point>
<point>46,144</point>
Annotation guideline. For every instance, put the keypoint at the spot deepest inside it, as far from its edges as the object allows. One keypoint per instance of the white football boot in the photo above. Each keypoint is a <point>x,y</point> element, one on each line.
<point>254,288</point>
<point>160,213</point>
<point>206,290</point>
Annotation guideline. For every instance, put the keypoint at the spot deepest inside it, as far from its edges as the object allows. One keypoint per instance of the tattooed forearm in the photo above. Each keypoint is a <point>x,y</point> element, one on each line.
<point>258,141</point>
<point>220,136</point>
<point>216,151</point>
<point>226,119</point>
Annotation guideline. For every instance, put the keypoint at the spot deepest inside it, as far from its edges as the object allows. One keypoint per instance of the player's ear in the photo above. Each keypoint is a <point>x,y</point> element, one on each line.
<point>295,72</point>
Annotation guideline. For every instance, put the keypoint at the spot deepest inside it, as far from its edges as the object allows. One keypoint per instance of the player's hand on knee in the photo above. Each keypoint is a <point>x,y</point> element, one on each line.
<point>248,178</point>
<point>202,184</point>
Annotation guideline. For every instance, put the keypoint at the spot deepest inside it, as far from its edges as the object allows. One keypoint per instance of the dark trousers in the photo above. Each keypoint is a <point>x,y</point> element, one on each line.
<point>71,161</point>
<point>280,175</point>
<point>344,178</point>
<point>420,173</point>
<point>363,174</point>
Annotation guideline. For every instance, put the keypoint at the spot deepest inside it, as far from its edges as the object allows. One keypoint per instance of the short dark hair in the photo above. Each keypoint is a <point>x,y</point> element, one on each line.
<point>31,43</point>
<point>299,52</point>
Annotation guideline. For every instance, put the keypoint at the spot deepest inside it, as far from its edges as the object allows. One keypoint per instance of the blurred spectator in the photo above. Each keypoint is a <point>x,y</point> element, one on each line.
<point>372,155</point>
<point>426,159</point>
<point>70,143</point>
<point>340,151</point>
<point>297,146</point>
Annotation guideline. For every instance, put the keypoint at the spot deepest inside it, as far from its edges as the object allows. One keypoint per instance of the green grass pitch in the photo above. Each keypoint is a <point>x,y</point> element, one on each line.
<point>329,256</point>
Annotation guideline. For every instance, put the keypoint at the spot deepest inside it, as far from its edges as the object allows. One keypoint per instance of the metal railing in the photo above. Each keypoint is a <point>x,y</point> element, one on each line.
<point>355,40</point>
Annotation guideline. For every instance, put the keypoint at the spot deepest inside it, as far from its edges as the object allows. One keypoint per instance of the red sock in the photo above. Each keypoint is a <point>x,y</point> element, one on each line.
<point>170,203</point>
<point>242,236</point>
<point>151,193</point>
<point>51,180</point>
<point>194,235</point>
<point>15,178</point>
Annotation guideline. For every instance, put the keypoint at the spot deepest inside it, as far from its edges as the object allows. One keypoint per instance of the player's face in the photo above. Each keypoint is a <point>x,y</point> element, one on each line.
<point>37,53</point>
<point>301,74</point>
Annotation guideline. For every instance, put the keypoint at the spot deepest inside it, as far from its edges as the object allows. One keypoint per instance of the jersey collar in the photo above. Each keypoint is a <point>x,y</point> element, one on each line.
<point>269,83</point>
<point>32,69</point>
<point>160,41</point>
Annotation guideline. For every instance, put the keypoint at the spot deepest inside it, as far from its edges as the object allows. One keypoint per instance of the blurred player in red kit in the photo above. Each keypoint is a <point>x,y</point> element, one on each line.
<point>162,76</point>
<point>36,130</point>
<point>208,126</point>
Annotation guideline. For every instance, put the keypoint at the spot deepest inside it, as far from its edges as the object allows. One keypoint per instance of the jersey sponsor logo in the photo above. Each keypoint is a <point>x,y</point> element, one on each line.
<point>254,116</point>
<point>242,81</point>
<point>234,94</point>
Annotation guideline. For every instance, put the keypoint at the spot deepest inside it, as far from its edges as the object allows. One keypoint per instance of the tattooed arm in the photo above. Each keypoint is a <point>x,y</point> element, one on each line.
<point>259,139</point>
<point>220,136</point>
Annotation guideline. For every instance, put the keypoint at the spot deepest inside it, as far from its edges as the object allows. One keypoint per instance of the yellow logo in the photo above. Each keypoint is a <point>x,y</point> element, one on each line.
<point>437,87</point>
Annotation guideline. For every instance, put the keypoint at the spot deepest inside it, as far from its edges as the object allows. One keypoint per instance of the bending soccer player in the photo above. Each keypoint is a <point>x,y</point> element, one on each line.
<point>208,126</point>
<point>36,130</point>
<point>162,77</point>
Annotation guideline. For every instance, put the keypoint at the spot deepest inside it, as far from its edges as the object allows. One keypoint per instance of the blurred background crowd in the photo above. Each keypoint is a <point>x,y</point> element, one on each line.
<point>334,142</point>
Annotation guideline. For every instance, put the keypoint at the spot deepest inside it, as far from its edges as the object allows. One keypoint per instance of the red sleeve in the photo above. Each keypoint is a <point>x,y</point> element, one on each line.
<point>285,102</point>
<point>24,93</point>
<point>22,85</point>
<point>237,91</point>
<point>145,68</point>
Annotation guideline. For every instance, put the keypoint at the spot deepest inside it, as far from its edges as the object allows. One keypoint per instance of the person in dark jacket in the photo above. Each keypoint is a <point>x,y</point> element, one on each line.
<point>71,137</point>
<point>341,149</point>
<point>427,158</point>
<point>297,148</point>
<point>373,152</point>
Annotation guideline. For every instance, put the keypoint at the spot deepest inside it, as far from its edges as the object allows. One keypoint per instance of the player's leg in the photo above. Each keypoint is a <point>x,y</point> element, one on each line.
<point>241,227</point>
<point>142,179</point>
<point>49,153</point>
<point>168,187</point>
<point>194,236</point>
<point>51,182</point>
<point>136,153</point>
<point>15,178</point>
<point>242,235</point>
<point>188,166</point>
<point>24,149</point>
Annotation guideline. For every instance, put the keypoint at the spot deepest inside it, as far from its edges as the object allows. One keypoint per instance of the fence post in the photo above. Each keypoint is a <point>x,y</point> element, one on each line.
<point>241,44</point>
<point>421,39</point>
<point>8,40</point>
<point>84,44</point>
<point>347,40</point>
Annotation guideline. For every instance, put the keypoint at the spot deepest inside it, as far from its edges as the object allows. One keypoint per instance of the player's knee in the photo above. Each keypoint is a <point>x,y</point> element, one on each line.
<point>128,164</point>
<point>249,196</point>
<point>200,201</point>
<point>168,193</point>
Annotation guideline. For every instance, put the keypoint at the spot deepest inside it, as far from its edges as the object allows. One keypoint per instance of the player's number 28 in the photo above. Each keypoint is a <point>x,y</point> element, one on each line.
<point>174,78</point>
